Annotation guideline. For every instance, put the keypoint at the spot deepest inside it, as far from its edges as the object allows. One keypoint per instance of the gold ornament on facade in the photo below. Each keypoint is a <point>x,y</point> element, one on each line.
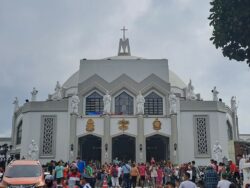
<point>123,124</point>
<point>157,124</point>
<point>90,126</point>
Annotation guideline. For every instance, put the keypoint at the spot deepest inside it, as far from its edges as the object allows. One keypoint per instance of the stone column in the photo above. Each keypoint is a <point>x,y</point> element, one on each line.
<point>174,139</point>
<point>106,141</point>
<point>73,137</point>
<point>140,141</point>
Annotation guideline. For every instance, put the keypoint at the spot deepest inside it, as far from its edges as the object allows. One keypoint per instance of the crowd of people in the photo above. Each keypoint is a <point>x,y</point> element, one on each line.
<point>154,174</point>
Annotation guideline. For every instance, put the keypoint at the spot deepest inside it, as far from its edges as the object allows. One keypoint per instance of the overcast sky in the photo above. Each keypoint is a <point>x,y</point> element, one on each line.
<point>42,42</point>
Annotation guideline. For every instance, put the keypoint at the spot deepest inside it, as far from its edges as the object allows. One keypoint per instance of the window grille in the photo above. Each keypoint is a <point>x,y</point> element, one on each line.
<point>229,131</point>
<point>153,104</point>
<point>202,136</point>
<point>94,104</point>
<point>124,104</point>
<point>19,133</point>
<point>48,132</point>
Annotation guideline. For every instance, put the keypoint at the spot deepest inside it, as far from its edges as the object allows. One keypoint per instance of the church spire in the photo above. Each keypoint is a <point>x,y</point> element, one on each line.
<point>124,48</point>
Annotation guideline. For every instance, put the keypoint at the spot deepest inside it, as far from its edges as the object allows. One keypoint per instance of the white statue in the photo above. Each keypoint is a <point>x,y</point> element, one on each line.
<point>33,94</point>
<point>140,100</point>
<point>215,94</point>
<point>172,102</point>
<point>74,104</point>
<point>33,150</point>
<point>234,105</point>
<point>190,95</point>
<point>107,103</point>
<point>58,92</point>
<point>217,150</point>
<point>16,104</point>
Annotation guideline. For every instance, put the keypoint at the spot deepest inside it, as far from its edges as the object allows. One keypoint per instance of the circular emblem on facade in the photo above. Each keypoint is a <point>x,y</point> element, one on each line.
<point>157,124</point>
<point>123,124</point>
<point>90,126</point>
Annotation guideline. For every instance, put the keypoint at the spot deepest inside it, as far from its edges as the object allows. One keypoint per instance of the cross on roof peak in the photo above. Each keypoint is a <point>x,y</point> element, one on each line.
<point>124,30</point>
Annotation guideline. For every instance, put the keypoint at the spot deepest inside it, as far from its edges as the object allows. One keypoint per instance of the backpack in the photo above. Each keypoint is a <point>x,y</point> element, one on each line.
<point>114,172</point>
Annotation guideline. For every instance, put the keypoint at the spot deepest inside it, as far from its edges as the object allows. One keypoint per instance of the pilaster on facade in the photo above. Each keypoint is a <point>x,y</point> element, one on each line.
<point>106,141</point>
<point>73,151</point>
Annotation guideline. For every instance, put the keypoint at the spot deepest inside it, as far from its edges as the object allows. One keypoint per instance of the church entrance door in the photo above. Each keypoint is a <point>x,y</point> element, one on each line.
<point>157,146</point>
<point>90,148</point>
<point>123,147</point>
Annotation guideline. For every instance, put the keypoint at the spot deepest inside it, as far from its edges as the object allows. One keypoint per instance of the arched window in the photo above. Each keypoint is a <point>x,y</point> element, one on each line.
<point>124,104</point>
<point>94,104</point>
<point>153,104</point>
<point>19,133</point>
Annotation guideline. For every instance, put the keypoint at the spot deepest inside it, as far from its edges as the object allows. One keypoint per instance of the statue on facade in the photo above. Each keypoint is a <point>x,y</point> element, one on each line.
<point>33,94</point>
<point>173,103</point>
<point>234,105</point>
<point>58,92</point>
<point>217,150</point>
<point>16,104</point>
<point>107,103</point>
<point>190,95</point>
<point>74,104</point>
<point>33,150</point>
<point>215,94</point>
<point>140,100</point>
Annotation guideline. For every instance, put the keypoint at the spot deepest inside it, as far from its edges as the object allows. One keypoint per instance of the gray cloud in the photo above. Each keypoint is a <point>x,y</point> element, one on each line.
<point>43,41</point>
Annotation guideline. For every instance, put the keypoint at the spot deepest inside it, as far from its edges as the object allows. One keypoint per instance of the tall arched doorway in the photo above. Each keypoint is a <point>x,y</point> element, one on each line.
<point>90,148</point>
<point>123,147</point>
<point>157,146</point>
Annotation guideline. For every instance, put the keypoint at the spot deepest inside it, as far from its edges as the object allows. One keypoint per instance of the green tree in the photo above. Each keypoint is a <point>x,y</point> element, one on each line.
<point>231,28</point>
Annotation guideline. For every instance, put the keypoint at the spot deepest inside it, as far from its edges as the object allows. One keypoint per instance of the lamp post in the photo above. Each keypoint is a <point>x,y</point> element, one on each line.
<point>4,157</point>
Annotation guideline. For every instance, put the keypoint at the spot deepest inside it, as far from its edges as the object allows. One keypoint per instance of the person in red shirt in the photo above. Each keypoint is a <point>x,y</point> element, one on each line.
<point>233,169</point>
<point>74,176</point>
<point>142,172</point>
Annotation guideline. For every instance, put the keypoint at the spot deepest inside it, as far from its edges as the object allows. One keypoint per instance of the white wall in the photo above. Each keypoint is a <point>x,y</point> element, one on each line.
<point>32,130</point>
<point>218,131</point>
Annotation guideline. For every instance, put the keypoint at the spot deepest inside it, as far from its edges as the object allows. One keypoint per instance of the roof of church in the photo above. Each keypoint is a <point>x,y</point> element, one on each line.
<point>174,80</point>
<point>125,54</point>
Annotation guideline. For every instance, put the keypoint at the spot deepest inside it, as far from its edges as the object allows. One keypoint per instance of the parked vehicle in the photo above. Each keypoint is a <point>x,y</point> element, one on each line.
<point>23,174</point>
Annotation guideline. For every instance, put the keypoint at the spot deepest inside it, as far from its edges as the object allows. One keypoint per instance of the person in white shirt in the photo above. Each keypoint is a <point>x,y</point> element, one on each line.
<point>242,161</point>
<point>187,183</point>
<point>84,183</point>
<point>223,183</point>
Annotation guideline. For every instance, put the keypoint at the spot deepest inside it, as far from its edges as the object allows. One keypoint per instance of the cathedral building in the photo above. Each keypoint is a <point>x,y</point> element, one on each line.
<point>127,107</point>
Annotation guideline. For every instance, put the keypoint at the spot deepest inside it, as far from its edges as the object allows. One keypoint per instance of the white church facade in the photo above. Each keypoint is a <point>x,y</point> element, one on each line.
<point>126,107</point>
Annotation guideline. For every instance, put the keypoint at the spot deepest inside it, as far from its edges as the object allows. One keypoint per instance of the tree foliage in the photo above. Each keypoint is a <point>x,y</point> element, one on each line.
<point>231,28</point>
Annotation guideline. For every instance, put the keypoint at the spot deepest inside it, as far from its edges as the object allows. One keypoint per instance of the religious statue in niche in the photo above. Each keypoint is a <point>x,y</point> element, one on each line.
<point>157,124</point>
<point>217,150</point>
<point>58,92</point>
<point>215,94</point>
<point>33,150</point>
<point>33,94</point>
<point>140,100</point>
<point>123,124</point>
<point>16,104</point>
<point>74,104</point>
<point>190,95</point>
<point>107,103</point>
<point>90,126</point>
<point>172,102</point>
